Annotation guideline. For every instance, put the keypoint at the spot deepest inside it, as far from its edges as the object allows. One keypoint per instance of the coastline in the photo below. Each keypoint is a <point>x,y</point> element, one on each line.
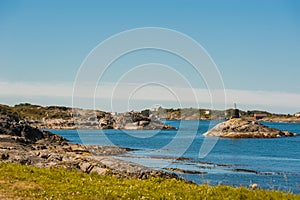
<point>66,118</point>
<point>83,158</point>
<point>23,144</point>
<point>31,146</point>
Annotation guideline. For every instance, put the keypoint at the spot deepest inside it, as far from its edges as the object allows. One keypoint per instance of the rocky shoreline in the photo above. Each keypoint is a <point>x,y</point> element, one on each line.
<point>60,117</point>
<point>26,145</point>
<point>241,128</point>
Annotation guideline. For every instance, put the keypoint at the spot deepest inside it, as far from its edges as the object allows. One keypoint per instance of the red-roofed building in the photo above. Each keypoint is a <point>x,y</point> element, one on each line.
<point>259,116</point>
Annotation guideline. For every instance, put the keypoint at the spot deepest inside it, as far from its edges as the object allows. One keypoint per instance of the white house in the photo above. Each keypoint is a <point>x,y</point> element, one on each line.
<point>155,108</point>
<point>297,114</point>
<point>207,112</point>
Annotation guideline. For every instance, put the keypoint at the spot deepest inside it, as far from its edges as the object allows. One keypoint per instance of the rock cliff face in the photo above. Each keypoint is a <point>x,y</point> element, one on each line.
<point>12,127</point>
<point>239,128</point>
<point>21,143</point>
<point>131,120</point>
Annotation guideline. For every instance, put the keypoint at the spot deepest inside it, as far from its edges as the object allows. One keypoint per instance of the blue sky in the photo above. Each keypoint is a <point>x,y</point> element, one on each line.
<point>255,44</point>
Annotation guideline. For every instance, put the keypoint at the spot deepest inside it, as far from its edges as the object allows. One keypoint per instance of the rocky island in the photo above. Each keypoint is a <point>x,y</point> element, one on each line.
<point>241,128</point>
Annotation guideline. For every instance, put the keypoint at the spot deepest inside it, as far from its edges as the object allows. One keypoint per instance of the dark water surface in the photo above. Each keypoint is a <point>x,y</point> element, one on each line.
<point>271,163</point>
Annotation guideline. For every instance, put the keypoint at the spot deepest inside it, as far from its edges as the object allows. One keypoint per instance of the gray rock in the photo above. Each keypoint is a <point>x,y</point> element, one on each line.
<point>99,170</point>
<point>239,128</point>
<point>85,167</point>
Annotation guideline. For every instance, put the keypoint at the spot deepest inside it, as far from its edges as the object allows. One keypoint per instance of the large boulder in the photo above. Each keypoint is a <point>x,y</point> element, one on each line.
<point>240,128</point>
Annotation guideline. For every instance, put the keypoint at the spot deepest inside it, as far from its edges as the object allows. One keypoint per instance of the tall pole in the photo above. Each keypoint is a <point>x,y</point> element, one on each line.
<point>236,112</point>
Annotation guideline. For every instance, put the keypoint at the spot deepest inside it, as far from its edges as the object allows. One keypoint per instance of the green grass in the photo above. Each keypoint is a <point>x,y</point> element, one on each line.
<point>37,112</point>
<point>24,182</point>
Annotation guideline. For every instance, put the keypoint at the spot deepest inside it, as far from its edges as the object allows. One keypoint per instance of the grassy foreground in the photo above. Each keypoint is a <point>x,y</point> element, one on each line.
<point>24,182</point>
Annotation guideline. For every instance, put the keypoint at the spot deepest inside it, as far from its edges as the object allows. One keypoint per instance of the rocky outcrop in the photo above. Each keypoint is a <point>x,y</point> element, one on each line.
<point>12,126</point>
<point>133,120</point>
<point>239,128</point>
<point>127,120</point>
<point>20,143</point>
<point>89,120</point>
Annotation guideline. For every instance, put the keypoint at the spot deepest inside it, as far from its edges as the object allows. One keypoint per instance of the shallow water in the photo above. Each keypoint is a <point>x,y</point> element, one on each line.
<point>271,163</point>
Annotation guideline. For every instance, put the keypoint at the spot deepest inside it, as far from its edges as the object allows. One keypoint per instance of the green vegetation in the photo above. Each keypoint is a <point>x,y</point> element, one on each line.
<point>24,182</point>
<point>26,110</point>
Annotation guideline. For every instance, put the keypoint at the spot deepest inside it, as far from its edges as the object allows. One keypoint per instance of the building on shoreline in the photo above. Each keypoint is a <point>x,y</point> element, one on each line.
<point>259,116</point>
<point>235,112</point>
<point>297,114</point>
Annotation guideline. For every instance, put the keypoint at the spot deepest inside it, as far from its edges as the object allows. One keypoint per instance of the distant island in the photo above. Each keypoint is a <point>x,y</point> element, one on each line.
<point>60,117</point>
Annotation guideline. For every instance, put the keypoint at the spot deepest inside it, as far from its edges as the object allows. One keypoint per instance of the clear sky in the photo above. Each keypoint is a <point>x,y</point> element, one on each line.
<point>255,45</point>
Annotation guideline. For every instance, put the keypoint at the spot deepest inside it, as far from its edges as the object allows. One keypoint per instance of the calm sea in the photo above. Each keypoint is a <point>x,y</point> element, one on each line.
<point>271,163</point>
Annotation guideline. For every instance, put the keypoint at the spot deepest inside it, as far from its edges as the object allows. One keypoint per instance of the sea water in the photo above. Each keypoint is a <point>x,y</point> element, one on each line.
<point>270,163</point>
